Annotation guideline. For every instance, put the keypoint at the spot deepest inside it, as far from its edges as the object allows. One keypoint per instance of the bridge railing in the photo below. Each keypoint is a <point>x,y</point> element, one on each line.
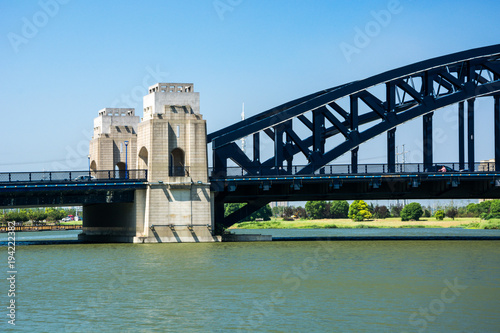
<point>73,176</point>
<point>342,169</point>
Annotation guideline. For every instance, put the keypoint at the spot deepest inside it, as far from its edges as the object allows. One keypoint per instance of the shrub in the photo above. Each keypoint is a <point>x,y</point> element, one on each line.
<point>412,211</point>
<point>439,215</point>
<point>358,211</point>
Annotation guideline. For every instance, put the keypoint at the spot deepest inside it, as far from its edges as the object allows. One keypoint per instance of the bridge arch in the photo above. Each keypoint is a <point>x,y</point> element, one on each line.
<point>120,170</point>
<point>408,93</point>
<point>374,106</point>
<point>143,158</point>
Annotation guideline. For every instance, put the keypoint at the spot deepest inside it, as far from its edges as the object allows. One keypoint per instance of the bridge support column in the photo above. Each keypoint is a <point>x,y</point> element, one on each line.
<point>497,132</point>
<point>218,212</point>
<point>470,134</point>
<point>176,203</point>
<point>427,133</point>
<point>391,150</point>
<point>354,160</point>
<point>461,136</point>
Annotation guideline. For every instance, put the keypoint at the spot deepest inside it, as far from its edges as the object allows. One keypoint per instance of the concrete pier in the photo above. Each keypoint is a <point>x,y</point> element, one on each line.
<point>170,142</point>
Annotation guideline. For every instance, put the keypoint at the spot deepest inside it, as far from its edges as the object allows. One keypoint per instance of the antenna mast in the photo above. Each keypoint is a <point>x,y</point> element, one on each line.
<point>243,140</point>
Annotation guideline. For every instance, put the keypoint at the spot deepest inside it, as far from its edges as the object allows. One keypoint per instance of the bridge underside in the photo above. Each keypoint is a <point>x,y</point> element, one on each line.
<point>64,197</point>
<point>258,193</point>
<point>108,210</point>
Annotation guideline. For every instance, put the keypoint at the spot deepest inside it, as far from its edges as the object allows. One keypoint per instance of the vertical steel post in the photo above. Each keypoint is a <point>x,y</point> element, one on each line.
<point>470,134</point>
<point>256,150</point>
<point>354,160</point>
<point>288,126</point>
<point>497,132</point>
<point>278,148</point>
<point>354,128</point>
<point>391,150</point>
<point>318,135</point>
<point>390,90</point>
<point>461,136</point>
<point>427,133</point>
<point>256,147</point>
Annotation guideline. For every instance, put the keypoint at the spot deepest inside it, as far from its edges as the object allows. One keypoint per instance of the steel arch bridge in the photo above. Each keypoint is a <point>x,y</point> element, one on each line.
<point>391,98</point>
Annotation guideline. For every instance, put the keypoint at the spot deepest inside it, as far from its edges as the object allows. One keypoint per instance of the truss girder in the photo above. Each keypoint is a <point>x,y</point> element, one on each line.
<point>410,92</point>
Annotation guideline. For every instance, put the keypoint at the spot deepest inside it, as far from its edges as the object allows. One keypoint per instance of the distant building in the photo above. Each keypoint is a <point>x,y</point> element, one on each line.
<point>279,204</point>
<point>487,165</point>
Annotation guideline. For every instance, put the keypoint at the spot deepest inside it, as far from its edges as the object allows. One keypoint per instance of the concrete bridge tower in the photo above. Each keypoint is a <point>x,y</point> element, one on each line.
<point>114,144</point>
<point>170,142</point>
<point>172,145</point>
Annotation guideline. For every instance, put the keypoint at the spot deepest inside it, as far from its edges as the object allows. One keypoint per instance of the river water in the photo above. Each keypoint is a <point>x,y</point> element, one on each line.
<point>333,286</point>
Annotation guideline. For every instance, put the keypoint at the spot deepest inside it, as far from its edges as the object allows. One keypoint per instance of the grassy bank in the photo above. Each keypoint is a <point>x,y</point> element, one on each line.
<point>71,223</point>
<point>376,223</point>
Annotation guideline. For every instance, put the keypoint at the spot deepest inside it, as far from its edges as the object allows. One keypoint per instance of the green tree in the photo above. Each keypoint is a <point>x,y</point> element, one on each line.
<point>300,212</point>
<point>264,213</point>
<point>439,215</point>
<point>54,214</point>
<point>451,212</point>
<point>412,211</point>
<point>494,211</point>
<point>230,208</point>
<point>359,211</point>
<point>396,210</point>
<point>277,211</point>
<point>31,214</point>
<point>327,211</point>
<point>17,216</point>
<point>315,209</point>
<point>380,212</point>
<point>40,215</point>
<point>339,209</point>
<point>287,212</point>
<point>483,208</point>
<point>427,213</point>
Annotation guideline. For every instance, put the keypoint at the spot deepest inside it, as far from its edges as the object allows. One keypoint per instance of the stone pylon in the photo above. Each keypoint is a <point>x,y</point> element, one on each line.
<point>114,144</point>
<point>170,142</point>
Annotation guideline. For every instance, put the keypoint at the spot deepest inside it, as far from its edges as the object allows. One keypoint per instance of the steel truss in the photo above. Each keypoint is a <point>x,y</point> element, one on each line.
<point>409,92</point>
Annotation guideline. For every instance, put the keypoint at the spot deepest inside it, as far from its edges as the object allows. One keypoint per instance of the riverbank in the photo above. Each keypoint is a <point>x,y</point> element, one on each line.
<point>279,223</point>
<point>24,228</point>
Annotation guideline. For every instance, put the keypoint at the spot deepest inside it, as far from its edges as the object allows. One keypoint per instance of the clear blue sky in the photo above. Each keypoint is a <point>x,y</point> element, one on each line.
<point>62,63</point>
